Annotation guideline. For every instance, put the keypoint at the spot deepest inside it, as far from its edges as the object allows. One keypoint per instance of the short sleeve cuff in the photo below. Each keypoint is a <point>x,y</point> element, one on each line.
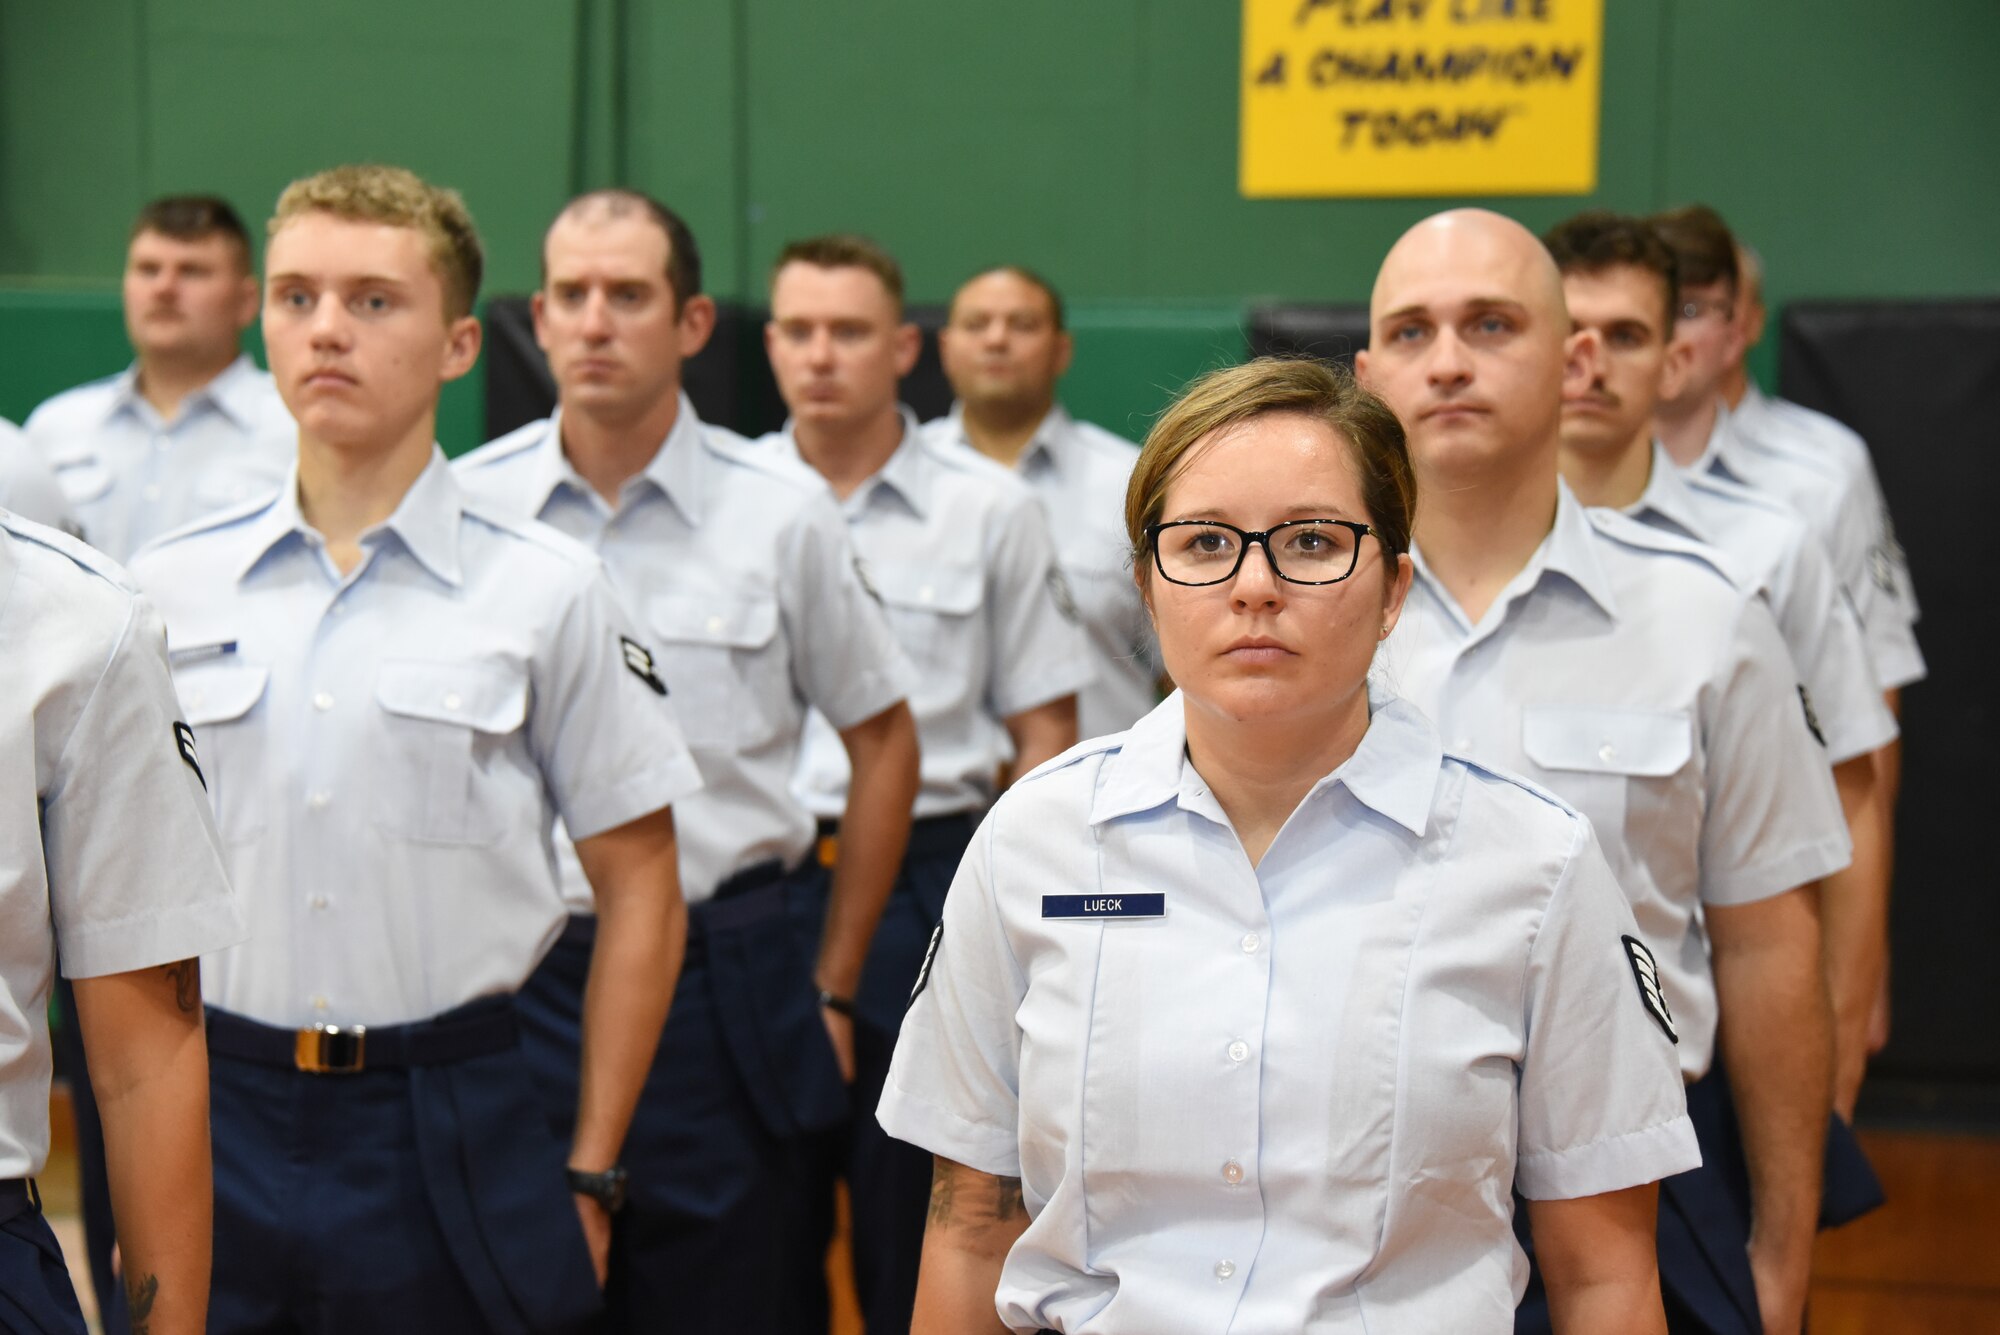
<point>1861,736</point>
<point>149,940</point>
<point>1032,692</point>
<point>867,695</point>
<point>1612,1164</point>
<point>1767,880</point>
<point>1899,663</point>
<point>601,809</point>
<point>981,1145</point>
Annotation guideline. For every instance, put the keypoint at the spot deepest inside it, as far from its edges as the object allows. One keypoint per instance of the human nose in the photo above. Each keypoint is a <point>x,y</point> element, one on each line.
<point>1450,364</point>
<point>596,322</point>
<point>819,349</point>
<point>327,323</point>
<point>1256,583</point>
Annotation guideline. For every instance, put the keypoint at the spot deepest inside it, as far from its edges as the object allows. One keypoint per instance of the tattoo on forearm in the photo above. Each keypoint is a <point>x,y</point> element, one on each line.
<point>187,985</point>
<point>942,1174</point>
<point>139,1296</point>
<point>969,1198</point>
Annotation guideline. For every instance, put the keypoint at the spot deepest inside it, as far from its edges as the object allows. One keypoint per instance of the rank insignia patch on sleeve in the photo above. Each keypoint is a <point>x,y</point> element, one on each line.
<point>184,743</point>
<point>1652,994</point>
<point>1065,600</point>
<point>930,958</point>
<point>1812,715</point>
<point>640,661</point>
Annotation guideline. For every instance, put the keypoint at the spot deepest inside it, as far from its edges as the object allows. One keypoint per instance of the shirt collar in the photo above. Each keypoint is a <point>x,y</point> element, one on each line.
<point>675,468</point>
<point>1394,771</point>
<point>425,521</point>
<point>1569,550</point>
<point>1668,495</point>
<point>1049,443</point>
<point>1724,446</point>
<point>909,472</point>
<point>233,391</point>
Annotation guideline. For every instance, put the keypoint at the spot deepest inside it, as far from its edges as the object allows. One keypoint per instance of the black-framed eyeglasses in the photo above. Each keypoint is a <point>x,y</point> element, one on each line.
<point>1301,551</point>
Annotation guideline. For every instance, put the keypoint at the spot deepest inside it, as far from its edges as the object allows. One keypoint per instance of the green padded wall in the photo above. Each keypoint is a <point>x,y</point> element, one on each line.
<point>1850,140</point>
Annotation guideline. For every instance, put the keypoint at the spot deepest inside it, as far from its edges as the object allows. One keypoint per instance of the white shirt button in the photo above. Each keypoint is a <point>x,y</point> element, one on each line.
<point>1250,944</point>
<point>715,625</point>
<point>1232,1173</point>
<point>319,1003</point>
<point>1462,744</point>
<point>317,901</point>
<point>1225,1269</point>
<point>317,801</point>
<point>927,593</point>
<point>451,700</point>
<point>1607,753</point>
<point>1239,1051</point>
<point>322,701</point>
<point>152,491</point>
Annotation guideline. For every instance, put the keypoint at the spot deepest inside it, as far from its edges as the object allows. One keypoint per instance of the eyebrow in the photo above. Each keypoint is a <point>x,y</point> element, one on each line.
<point>380,280</point>
<point>1471,304</point>
<point>1304,510</point>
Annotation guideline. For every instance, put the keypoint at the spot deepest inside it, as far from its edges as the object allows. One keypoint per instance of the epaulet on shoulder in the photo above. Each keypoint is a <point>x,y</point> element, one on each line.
<point>1083,750</point>
<point>1509,779</point>
<point>1629,532</point>
<point>214,521</point>
<point>68,398</point>
<point>78,552</point>
<point>523,437</point>
<point>531,531</point>
<point>965,459</point>
<point>1106,440</point>
<point>1735,492</point>
<point>760,456</point>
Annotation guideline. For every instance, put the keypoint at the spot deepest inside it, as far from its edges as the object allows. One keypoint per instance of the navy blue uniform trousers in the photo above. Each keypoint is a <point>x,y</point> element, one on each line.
<point>35,1293</point>
<point>888,1181</point>
<point>424,1199</point>
<point>1704,1230</point>
<point>726,1152</point>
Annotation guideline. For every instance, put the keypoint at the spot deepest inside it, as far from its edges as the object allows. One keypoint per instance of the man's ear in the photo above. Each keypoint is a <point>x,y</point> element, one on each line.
<point>536,305</point>
<point>1065,351</point>
<point>909,346</point>
<point>1674,370</point>
<point>1582,354</point>
<point>696,323</point>
<point>249,300</point>
<point>1361,369</point>
<point>463,338</point>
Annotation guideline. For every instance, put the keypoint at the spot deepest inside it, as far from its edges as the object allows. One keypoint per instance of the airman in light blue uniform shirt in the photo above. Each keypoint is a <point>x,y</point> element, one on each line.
<point>1411,987</point>
<point>738,567</point>
<point>961,557</point>
<point>387,750</point>
<point>132,476</point>
<point>1078,472</point>
<point>28,487</point>
<point>1769,546</point>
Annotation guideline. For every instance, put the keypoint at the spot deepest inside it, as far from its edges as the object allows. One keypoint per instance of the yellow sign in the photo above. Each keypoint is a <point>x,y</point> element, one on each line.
<point>1420,97</point>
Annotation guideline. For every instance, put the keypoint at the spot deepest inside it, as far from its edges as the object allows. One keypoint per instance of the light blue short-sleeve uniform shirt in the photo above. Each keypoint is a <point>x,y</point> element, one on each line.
<point>1848,521</point>
<point>106,842</point>
<point>1297,1096</point>
<point>1625,671</point>
<point>737,566</point>
<point>959,552</point>
<point>28,486</point>
<point>387,749</point>
<point>1078,472</point>
<point>1770,547</point>
<point>132,476</point>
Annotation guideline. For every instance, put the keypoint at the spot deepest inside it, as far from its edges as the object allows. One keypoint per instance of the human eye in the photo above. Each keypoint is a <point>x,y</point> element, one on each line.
<point>373,303</point>
<point>1409,333</point>
<point>850,334</point>
<point>1626,339</point>
<point>1207,541</point>
<point>629,295</point>
<point>291,299</point>
<point>1492,325</point>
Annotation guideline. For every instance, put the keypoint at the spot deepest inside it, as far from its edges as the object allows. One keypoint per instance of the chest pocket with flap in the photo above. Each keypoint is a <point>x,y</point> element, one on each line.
<point>930,606</point>
<point>1600,761</point>
<point>447,724</point>
<point>726,688</point>
<point>219,700</point>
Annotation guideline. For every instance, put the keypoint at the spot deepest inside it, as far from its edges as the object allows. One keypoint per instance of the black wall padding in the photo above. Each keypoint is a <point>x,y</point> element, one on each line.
<point>1921,382</point>
<point>1330,333</point>
<point>729,380</point>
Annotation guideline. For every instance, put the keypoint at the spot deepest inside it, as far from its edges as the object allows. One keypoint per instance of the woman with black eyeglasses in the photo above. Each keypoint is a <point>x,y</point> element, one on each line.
<point>1256,1017</point>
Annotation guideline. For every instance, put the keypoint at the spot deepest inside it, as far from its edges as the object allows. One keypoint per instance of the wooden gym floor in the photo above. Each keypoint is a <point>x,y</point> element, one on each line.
<point>1928,1263</point>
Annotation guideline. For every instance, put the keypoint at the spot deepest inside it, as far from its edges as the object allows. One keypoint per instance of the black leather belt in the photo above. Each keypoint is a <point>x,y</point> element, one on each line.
<point>17,1197</point>
<point>930,836</point>
<point>480,1029</point>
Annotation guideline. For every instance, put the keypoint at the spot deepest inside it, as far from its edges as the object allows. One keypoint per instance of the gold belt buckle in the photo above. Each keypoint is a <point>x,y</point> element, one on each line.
<point>331,1049</point>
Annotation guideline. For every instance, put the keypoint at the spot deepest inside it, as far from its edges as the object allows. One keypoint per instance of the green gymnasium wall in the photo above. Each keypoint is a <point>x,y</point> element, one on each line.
<point>1095,140</point>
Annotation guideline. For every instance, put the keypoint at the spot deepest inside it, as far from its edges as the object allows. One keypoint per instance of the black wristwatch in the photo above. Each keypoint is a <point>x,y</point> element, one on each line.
<point>606,1188</point>
<point>836,1003</point>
